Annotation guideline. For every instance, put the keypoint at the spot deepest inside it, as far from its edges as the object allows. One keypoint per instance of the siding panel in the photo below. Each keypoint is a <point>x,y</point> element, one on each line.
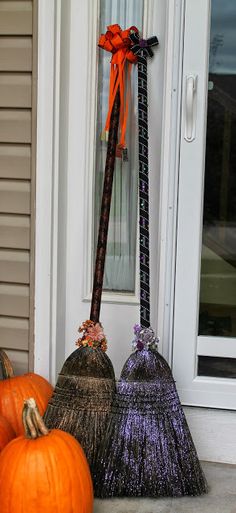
<point>14,333</point>
<point>14,197</point>
<point>15,18</point>
<point>15,90</point>
<point>18,76</point>
<point>15,54</point>
<point>15,126</point>
<point>14,266</point>
<point>14,232</point>
<point>14,300</point>
<point>15,161</point>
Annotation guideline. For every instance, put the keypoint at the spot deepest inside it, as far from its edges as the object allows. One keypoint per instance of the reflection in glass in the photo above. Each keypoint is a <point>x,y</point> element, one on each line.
<point>121,248</point>
<point>218,265</point>
<point>217,367</point>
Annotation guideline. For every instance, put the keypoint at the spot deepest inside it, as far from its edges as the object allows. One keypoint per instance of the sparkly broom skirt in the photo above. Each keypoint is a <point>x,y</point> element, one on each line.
<point>148,449</point>
<point>81,402</point>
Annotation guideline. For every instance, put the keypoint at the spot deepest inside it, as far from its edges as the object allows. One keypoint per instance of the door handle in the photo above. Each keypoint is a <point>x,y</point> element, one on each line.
<point>190,108</point>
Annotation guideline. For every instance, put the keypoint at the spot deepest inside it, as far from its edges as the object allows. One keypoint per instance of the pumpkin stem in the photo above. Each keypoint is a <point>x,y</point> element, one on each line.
<point>33,423</point>
<point>7,369</point>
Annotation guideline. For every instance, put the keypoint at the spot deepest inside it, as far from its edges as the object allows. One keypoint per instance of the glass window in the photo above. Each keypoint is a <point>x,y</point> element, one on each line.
<point>121,247</point>
<point>218,262</point>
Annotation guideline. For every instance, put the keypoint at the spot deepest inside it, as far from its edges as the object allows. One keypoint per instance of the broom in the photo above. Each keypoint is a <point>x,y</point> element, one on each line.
<point>83,394</point>
<point>147,449</point>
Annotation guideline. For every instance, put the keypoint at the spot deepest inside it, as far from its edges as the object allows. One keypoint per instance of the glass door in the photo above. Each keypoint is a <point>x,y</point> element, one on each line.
<point>205,308</point>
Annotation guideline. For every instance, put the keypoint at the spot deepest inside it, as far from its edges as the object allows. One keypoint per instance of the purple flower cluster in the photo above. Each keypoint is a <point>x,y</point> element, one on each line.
<point>144,338</point>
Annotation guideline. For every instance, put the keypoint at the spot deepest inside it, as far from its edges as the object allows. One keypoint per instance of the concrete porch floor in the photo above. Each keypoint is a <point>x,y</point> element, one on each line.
<point>221,498</point>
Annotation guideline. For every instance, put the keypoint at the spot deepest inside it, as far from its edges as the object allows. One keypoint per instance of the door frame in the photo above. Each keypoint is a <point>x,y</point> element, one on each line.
<point>46,203</point>
<point>208,425</point>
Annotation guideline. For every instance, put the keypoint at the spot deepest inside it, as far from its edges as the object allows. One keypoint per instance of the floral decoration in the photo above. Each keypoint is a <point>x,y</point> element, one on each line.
<point>92,335</point>
<point>144,338</point>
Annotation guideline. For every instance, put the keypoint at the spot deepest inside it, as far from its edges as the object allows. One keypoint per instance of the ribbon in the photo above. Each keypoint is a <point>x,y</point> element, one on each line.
<point>143,46</point>
<point>118,42</point>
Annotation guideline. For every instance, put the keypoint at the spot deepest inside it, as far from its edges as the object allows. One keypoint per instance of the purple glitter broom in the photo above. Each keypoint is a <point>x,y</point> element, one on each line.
<point>148,449</point>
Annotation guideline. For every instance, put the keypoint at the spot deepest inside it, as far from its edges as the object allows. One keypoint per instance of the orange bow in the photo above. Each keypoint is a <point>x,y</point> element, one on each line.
<point>117,42</point>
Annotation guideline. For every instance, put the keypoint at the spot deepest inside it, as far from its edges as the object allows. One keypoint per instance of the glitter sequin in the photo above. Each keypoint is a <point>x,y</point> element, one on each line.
<point>148,449</point>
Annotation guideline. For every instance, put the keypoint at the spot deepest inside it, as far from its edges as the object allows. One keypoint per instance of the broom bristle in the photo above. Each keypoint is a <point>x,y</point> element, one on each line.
<point>85,361</point>
<point>145,365</point>
<point>81,402</point>
<point>148,449</point>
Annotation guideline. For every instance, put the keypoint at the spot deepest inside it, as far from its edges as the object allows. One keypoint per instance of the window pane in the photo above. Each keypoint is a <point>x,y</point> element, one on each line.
<point>218,264</point>
<point>121,247</point>
<point>217,367</point>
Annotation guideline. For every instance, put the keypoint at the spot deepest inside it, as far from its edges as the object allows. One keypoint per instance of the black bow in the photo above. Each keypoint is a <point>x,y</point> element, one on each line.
<point>143,46</point>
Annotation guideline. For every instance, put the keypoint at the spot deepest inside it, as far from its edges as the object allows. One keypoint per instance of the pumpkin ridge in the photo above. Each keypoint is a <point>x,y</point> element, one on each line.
<point>5,410</point>
<point>83,473</point>
<point>51,460</point>
<point>11,471</point>
<point>6,432</point>
<point>59,439</point>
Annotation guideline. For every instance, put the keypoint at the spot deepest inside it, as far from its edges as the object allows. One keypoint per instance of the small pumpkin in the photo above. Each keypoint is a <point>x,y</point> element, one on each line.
<point>6,432</point>
<point>15,389</point>
<point>44,471</point>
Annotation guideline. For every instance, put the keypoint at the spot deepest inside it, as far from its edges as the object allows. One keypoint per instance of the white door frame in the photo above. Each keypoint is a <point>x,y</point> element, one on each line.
<point>46,218</point>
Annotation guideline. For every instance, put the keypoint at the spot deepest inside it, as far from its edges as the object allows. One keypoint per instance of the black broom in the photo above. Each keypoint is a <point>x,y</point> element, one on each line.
<point>82,398</point>
<point>148,449</point>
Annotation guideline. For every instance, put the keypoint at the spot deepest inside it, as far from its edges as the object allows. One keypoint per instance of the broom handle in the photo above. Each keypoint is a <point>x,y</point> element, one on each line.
<point>105,211</point>
<point>143,193</point>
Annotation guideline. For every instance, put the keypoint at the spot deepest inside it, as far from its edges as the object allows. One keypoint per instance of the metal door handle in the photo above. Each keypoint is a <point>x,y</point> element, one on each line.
<point>190,107</point>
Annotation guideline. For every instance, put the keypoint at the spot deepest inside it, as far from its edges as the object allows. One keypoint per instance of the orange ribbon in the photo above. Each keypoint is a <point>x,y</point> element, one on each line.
<point>117,42</point>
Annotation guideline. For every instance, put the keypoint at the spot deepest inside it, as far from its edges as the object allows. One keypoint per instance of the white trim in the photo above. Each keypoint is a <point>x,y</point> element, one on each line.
<point>213,432</point>
<point>44,185</point>
<point>90,143</point>
<point>169,173</point>
<point>116,297</point>
<point>55,191</point>
<point>216,346</point>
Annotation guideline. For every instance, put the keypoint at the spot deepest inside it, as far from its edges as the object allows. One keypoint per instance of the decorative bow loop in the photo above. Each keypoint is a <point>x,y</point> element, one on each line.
<point>119,43</point>
<point>143,46</point>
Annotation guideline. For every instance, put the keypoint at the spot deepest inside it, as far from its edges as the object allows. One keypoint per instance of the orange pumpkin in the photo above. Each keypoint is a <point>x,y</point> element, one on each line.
<point>15,389</point>
<point>45,472</point>
<point>6,432</point>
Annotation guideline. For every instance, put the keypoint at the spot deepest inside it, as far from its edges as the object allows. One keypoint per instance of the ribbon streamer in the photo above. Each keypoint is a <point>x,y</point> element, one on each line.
<point>118,42</point>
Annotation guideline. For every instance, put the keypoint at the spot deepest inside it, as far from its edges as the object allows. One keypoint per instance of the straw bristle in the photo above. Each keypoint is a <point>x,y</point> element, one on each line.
<point>81,402</point>
<point>148,449</point>
<point>88,362</point>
